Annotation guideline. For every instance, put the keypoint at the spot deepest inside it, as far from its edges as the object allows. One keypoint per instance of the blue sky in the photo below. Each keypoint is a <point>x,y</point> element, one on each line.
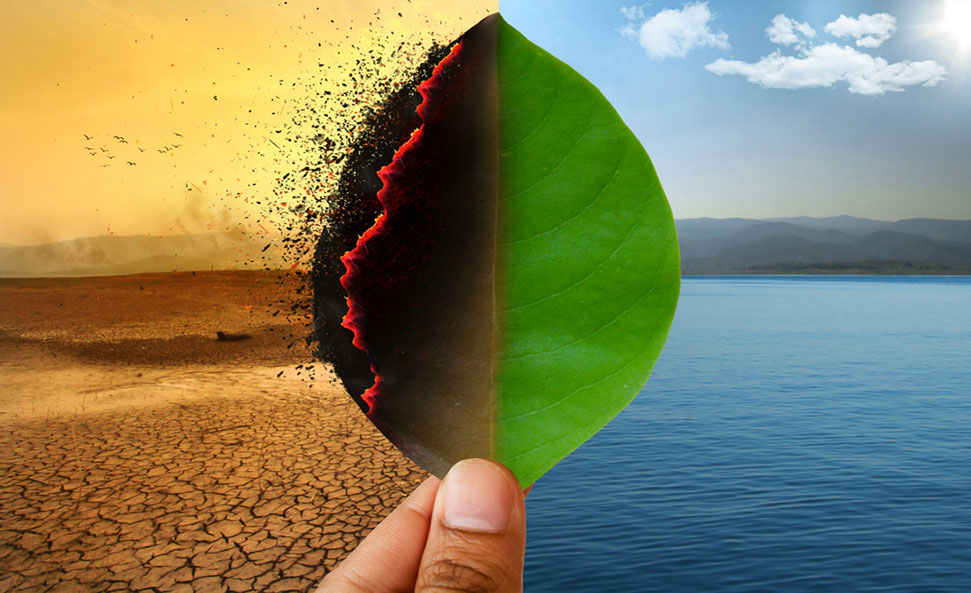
<point>867,115</point>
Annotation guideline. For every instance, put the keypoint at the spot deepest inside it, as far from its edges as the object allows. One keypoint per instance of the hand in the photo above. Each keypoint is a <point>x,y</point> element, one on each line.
<point>465,533</point>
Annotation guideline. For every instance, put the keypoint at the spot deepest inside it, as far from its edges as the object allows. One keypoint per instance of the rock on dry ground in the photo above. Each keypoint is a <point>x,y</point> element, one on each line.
<point>179,476</point>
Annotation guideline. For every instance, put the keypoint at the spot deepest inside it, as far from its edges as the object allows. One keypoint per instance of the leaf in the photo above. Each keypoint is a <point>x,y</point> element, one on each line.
<point>589,259</point>
<point>519,286</point>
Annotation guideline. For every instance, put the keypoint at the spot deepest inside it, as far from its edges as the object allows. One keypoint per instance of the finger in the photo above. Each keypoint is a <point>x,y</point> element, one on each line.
<point>478,532</point>
<point>387,560</point>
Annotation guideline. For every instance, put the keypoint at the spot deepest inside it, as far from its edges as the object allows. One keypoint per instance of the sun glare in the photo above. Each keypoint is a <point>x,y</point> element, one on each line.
<point>957,20</point>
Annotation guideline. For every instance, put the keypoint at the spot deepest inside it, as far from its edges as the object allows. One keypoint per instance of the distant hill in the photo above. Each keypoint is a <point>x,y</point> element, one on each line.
<point>111,255</point>
<point>846,224</point>
<point>798,245</point>
<point>842,244</point>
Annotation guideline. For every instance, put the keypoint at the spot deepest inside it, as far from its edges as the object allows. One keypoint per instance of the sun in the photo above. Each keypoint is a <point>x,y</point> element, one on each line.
<point>957,21</point>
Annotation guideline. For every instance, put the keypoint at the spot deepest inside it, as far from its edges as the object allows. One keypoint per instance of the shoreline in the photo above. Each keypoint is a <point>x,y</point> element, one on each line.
<point>782,275</point>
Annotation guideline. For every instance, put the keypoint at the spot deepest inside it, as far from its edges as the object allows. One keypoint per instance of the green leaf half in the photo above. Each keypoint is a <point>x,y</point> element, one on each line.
<point>588,260</point>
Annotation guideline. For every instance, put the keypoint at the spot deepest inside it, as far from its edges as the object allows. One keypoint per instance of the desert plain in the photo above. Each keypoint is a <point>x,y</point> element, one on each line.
<point>140,453</point>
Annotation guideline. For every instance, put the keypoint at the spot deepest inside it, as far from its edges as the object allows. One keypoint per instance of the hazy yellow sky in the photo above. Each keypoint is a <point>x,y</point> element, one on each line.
<point>145,71</point>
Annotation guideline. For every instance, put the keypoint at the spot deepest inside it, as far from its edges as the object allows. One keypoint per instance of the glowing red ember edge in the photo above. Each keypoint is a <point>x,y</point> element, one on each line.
<point>352,258</point>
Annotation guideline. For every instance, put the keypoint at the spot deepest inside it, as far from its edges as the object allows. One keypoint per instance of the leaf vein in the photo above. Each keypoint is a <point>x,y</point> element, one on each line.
<point>546,116</point>
<point>647,293</point>
<point>596,268</point>
<point>545,443</point>
<point>577,215</point>
<point>559,163</point>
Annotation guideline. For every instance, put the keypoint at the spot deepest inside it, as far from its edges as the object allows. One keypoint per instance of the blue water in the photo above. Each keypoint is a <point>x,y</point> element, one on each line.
<point>798,434</point>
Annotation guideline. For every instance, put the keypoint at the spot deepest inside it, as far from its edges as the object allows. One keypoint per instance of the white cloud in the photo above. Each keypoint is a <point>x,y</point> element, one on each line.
<point>828,64</point>
<point>782,30</point>
<point>673,33</point>
<point>632,13</point>
<point>869,30</point>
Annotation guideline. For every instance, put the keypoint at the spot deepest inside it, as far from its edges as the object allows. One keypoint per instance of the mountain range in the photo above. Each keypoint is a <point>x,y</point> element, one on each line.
<point>112,255</point>
<point>800,245</point>
<point>842,244</point>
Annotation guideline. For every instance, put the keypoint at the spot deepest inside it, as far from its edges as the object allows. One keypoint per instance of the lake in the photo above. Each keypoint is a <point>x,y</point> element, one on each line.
<point>798,434</point>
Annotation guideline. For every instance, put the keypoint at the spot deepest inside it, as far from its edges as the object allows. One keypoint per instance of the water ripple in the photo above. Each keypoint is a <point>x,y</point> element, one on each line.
<point>798,435</point>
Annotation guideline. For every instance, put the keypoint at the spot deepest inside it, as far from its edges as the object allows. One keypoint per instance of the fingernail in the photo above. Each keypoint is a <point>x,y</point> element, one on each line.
<point>477,497</point>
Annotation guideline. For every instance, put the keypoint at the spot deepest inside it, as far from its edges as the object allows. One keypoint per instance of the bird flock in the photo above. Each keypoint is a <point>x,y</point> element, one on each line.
<point>113,146</point>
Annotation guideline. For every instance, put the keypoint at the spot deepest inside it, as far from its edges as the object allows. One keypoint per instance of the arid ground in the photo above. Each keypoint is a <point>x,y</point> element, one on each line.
<point>138,453</point>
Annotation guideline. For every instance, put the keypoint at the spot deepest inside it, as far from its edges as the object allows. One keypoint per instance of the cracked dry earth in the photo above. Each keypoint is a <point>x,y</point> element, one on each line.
<point>121,475</point>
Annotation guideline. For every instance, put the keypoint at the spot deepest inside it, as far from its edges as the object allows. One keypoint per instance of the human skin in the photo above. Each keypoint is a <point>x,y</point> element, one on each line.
<point>465,533</point>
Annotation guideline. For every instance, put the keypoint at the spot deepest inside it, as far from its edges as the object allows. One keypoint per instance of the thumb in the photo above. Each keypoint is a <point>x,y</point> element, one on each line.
<point>478,532</point>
